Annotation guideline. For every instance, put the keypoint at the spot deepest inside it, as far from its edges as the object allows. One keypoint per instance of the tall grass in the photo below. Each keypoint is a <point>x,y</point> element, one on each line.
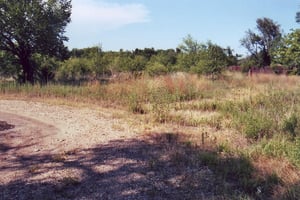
<point>264,109</point>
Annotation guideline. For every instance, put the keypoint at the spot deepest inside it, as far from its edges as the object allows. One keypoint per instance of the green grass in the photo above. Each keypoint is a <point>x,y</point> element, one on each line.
<point>266,115</point>
<point>280,147</point>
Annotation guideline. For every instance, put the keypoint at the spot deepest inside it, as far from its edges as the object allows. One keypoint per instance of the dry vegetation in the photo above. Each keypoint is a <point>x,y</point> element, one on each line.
<point>246,130</point>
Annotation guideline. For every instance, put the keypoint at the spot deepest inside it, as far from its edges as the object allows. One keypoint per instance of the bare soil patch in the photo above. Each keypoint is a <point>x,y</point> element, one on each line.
<point>62,152</point>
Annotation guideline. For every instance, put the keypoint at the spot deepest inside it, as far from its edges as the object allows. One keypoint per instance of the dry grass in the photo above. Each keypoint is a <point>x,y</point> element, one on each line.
<point>202,112</point>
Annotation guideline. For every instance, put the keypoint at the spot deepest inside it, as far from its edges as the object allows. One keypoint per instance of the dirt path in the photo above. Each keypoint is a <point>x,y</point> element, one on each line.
<point>62,152</point>
<point>68,124</point>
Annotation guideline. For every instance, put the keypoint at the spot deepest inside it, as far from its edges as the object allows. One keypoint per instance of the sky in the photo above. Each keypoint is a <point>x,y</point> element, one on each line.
<point>162,24</point>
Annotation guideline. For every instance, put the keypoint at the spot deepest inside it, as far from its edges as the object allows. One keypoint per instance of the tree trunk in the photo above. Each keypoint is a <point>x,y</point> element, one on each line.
<point>266,58</point>
<point>28,69</point>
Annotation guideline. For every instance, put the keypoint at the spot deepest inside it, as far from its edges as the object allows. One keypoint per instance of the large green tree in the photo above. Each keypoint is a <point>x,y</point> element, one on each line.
<point>261,43</point>
<point>29,27</point>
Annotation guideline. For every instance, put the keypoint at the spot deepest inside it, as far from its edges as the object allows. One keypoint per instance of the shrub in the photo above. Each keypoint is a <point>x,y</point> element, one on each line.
<point>291,125</point>
<point>155,69</point>
<point>74,69</point>
<point>135,104</point>
<point>257,126</point>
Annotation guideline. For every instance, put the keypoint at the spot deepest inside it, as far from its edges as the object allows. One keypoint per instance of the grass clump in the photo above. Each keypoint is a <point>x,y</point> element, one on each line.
<point>291,125</point>
<point>280,147</point>
<point>264,115</point>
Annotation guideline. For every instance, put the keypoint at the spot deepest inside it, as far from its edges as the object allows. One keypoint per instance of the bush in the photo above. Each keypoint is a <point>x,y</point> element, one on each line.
<point>135,104</point>
<point>74,69</point>
<point>156,68</point>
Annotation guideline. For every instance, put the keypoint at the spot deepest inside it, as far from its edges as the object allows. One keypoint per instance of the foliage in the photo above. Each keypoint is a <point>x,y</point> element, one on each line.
<point>232,60</point>
<point>247,63</point>
<point>155,69</point>
<point>204,58</point>
<point>94,64</point>
<point>75,69</point>
<point>190,50</point>
<point>261,44</point>
<point>147,53</point>
<point>213,60</point>
<point>168,58</point>
<point>288,51</point>
<point>187,61</point>
<point>9,65</point>
<point>34,26</point>
<point>190,45</point>
<point>46,67</point>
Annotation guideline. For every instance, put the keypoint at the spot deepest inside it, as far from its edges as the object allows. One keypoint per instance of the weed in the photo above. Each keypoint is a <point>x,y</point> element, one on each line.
<point>135,104</point>
<point>34,169</point>
<point>290,125</point>
<point>59,157</point>
<point>224,148</point>
<point>70,181</point>
<point>281,147</point>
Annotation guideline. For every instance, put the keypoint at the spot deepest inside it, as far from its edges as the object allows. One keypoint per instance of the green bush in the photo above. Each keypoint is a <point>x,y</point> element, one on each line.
<point>155,69</point>
<point>75,69</point>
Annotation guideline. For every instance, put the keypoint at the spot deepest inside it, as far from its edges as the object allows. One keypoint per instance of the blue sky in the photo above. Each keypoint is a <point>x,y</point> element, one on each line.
<point>162,24</point>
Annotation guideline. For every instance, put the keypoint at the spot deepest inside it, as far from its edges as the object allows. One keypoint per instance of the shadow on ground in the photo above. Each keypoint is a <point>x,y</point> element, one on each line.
<point>160,166</point>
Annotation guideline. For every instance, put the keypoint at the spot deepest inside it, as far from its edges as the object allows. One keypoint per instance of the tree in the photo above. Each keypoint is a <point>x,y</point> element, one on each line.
<point>190,45</point>
<point>231,59</point>
<point>190,50</point>
<point>288,51</point>
<point>28,27</point>
<point>168,58</point>
<point>213,60</point>
<point>261,44</point>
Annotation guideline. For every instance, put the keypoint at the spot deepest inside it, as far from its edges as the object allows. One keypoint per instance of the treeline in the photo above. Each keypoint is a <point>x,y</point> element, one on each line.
<point>32,49</point>
<point>191,56</point>
<point>94,64</point>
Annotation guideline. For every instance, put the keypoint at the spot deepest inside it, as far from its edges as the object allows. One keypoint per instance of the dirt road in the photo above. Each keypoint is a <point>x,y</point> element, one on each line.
<point>63,152</point>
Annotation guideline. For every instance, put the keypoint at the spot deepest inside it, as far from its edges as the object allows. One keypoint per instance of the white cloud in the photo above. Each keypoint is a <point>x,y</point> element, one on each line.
<point>91,14</point>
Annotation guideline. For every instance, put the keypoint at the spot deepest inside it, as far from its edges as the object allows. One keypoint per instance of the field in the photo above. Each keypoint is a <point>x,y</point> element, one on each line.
<point>238,134</point>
